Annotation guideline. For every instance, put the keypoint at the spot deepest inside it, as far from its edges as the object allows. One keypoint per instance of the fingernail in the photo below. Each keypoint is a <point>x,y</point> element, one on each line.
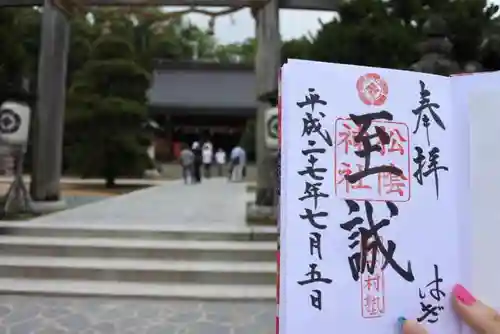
<point>401,321</point>
<point>463,295</point>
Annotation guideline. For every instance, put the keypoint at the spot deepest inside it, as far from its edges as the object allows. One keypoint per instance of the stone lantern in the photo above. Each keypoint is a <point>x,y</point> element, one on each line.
<point>436,49</point>
<point>473,67</point>
<point>490,52</point>
<point>268,214</point>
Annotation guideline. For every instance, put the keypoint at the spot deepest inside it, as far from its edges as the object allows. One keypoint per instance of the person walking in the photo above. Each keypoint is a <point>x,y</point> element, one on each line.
<point>186,158</point>
<point>236,173</point>
<point>207,156</point>
<point>243,162</point>
<point>208,145</point>
<point>220,160</point>
<point>197,162</point>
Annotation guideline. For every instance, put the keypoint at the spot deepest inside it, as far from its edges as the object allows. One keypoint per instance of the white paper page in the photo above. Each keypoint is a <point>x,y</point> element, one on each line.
<point>479,95</point>
<point>282,213</point>
<point>423,227</point>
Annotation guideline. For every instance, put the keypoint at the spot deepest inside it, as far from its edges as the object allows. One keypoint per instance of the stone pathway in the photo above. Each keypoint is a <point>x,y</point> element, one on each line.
<point>46,315</point>
<point>213,202</point>
<point>74,201</point>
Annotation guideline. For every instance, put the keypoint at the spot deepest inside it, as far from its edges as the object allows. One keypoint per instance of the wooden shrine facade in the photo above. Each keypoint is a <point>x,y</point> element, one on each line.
<point>197,100</point>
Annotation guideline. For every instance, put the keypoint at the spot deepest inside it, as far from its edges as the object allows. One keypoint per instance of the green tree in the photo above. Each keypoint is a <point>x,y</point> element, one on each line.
<point>243,52</point>
<point>299,48</point>
<point>155,33</point>
<point>386,33</point>
<point>29,22</point>
<point>366,33</point>
<point>83,33</point>
<point>13,56</point>
<point>469,22</point>
<point>107,110</point>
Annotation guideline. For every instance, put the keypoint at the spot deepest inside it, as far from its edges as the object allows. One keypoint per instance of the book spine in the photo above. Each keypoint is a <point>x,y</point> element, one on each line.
<point>279,213</point>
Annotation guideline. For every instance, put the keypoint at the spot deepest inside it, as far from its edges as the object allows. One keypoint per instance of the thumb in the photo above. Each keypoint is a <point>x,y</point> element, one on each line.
<point>410,327</point>
<point>480,317</point>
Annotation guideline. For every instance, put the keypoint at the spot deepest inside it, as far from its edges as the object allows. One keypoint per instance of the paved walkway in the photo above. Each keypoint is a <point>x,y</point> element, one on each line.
<point>74,197</point>
<point>76,180</point>
<point>28,315</point>
<point>215,201</point>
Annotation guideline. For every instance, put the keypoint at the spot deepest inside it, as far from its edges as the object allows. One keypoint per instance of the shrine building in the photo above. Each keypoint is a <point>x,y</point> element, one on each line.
<point>194,100</point>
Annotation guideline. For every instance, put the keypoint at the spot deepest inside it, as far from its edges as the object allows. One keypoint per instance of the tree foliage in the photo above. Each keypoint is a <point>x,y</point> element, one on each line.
<point>13,56</point>
<point>111,59</point>
<point>299,48</point>
<point>244,52</point>
<point>386,33</point>
<point>107,110</point>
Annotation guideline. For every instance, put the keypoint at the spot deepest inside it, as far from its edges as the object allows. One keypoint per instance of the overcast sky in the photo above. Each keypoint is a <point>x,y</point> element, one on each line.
<point>239,26</point>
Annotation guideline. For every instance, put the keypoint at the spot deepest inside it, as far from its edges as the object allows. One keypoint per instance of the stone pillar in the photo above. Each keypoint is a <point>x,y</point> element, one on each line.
<point>51,100</point>
<point>267,65</point>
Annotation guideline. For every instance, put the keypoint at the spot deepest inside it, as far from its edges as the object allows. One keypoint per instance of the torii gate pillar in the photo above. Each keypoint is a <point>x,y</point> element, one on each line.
<point>267,65</point>
<point>49,114</point>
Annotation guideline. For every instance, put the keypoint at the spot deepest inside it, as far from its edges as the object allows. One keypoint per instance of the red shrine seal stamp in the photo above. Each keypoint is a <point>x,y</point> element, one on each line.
<point>372,89</point>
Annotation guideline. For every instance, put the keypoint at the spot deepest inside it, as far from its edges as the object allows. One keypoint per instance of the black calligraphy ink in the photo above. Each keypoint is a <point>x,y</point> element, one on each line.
<point>315,244</point>
<point>430,311</point>
<point>313,151</point>
<point>425,104</point>
<point>433,166</point>
<point>312,171</point>
<point>311,217</point>
<point>312,100</point>
<point>313,125</point>
<point>316,299</point>
<point>371,242</point>
<point>314,276</point>
<point>313,191</point>
<point>420,161</point>
<point>364,122</point>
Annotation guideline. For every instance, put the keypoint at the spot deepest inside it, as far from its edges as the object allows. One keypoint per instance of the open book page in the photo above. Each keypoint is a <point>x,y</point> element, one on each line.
<point>371,230</point>
<point>477,100</point>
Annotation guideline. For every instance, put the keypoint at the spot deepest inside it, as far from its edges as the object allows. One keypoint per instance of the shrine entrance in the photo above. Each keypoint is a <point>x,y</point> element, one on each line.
<point>223,131</point>
<point>49,114</point>
<point>189,108</point>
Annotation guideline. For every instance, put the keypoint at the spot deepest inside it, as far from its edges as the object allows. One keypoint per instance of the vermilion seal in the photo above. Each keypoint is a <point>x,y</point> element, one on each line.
<point>372,89</point>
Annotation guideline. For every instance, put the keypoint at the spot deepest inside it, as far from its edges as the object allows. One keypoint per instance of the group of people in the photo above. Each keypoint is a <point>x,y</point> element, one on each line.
<point>201,158</point>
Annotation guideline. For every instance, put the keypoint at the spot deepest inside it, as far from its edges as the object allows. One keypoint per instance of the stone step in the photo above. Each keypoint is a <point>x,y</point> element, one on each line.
<point>139,231</point>
<point>76,288</point>
<point>144,271</point>
<point>139,248</point>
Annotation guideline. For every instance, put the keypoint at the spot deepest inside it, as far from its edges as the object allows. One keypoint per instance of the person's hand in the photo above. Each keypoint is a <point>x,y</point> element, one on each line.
<point>480,317</point>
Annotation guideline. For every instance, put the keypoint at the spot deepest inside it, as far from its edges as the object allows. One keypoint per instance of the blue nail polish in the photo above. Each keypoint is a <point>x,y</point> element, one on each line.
<point>401,321</point>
